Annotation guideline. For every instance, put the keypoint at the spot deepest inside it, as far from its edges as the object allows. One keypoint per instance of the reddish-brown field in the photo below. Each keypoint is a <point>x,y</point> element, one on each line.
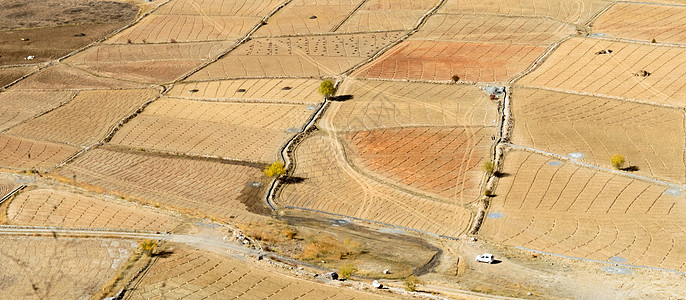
<point>578,11</point>
<point>19,106</point>
<point>435,60</point>
<point>307,17</point>
<point>443,161</point>
<point>641,21</point>
<point>21,153</point>
<point>63,77</point>
<point>208,187</point>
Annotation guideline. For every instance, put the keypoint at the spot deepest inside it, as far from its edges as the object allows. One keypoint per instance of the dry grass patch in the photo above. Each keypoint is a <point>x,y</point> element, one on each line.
<point>643,22</point>
<point>251,90</point>
<point>20,153</point>
<point>568,11</point>
<point>17,14</point>
<point>19,106</point>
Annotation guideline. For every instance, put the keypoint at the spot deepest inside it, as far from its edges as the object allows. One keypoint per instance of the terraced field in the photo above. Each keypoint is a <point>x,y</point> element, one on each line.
<point>46,207</point>
<point>439,61</point>
<point>21,153</point>
<point>241,131</point>
<point>308,56</point>
<point>383,104</point>
<point>87,118</point>
<point>575,66</point>
<point>47,268</point>
<point>20,106</point>
<point>601,127</point>
<point>376,15</point>
<point>302,17</point>
<point>207,187</point>
<point>63,77</point>
<point>301,91</point>
<point>643,21</point>
<point>587,213</point>
<point>568,11</point>
<point>193,274</point>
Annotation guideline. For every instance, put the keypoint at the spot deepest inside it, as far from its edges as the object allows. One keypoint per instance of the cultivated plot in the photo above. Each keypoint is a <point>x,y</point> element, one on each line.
<point>47,268</point>
<point>651,138</point>
<point>568,11</point>
<point>285,90</point>
<point>239,131</point>
<point>636,71</point>
<point>442,161</point>
<point>47,207</point>
<point>207,187</point>
<point>494,29</point>
<point>19,106</point>
<point>86,119</point>
<point>197,274</point>
<point>64,77</point>
<point>308,17</point>
<point>9,75</point>
<point>157,28</point>
<point>219,8</point>
<point>439,61</point>
<point>645,22</point>
<point>377,15</point>
<point>331,185</point>
<point>21,153</point>
<point>569,210</point>
<point>385,104</point>
<point>7,184</point>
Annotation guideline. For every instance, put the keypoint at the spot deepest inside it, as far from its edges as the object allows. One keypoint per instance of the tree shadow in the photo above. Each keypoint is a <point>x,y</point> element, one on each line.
<point>341,98</point>
<point>630,169</point>
<point>501,174</point>
<point>292,179</point>
<point>163,254</point>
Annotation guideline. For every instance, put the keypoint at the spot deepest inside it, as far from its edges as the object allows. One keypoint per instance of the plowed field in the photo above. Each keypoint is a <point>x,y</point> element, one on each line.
<point>578,11</point>
<point>308,17</point>
<point>375,15</point>
<point>8,75</point>
<point>6,185</point>
<point>435,60</point>
<point>44,207</point>
<point>240,131</point>
<point>251,90</point>
<point>219,8</point>
<point>63,77</point>
<point>17,107</point>
<point>21,153</point>
<point>644,22</point>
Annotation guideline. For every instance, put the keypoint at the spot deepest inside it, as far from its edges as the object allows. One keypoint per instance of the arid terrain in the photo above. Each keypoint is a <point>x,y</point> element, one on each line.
<point>190,149</point>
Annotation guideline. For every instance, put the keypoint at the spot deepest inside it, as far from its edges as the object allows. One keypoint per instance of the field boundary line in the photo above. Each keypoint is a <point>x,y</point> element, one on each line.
<point>10,194</point>
<point>350,15</point>
<point>323,34</point>
<point>545,17</point>
<point>540,60</point>
<point>652,3</point>
<point>595,16</point>
<point>243,100</point>
<point>601,261</point>
<point>640,42</point>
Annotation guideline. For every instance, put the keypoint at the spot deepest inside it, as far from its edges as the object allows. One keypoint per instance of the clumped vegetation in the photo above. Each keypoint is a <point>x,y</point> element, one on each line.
<point>455,78</point>
<point>412,282</point>
<point>327,89</point>
<point>329,248</point>
<point>488,167</point>
<point>346,271</point>
<point>617,161</point>
<point>269,232</point>
<point>148,247</point>
<point>276,169</point>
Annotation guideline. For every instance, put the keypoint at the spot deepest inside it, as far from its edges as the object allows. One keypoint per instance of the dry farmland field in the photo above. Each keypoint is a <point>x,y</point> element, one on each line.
<point>575,66</point>
<point>601,127</point>
<point>284,90</point>
<point>9,75</point>
<point>308,17</point>
<point>193,274</point>
<point>587,213</point>
<point>239,131</point>
<point>577,12</point>
<point>377,15</point>
<point>7,184</point>
<point>87,118</point>
<point>642,21</point>
<point>219,8</point>
<point>19,106</point>
<point>439,61</point>
<point>383,104</point>
<point>307,56</point>
<point>46,207</point>
<point>21,153</point>
<point>63,77</point>
<point>47,268</point>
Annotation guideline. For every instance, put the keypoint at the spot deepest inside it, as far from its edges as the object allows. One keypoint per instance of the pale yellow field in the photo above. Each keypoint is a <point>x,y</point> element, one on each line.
<point>651,138</point>
<point>240,131</point>
<point>198,274</point>
<point>376,15</point>
<point>311,56</point>
<point>574,66</point>
<point>64,268</point>
<point>20,153</point>
<point>331,185</point>
<point>296,17</point>
<point>303,91</point>
<point>383,104</point>
<point>578,11</point>
<point>20,106</point>
<point>494,29</point>
<point>210,188</point>
<point>87,118</point>
<point>643,22</point>
<point>586,213</point>
<point>63,77</point>
<point>127,53</point>
<point>7,184</point>
<point>46,207</point>
<point>219,8</point>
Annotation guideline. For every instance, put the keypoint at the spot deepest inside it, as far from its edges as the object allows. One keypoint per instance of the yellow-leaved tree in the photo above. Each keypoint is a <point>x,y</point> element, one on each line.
<point>276,169</point>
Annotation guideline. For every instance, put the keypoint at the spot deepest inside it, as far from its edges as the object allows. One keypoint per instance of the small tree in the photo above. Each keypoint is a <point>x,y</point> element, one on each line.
<point>653,41</point>
<point>346,271</point>
<point>412,282</point>
<point>148,247</point>
<point>455,78</point>
<point>617,161</point>
<point>327,89</point>
<point>276,169</point>
<point>488,167</point>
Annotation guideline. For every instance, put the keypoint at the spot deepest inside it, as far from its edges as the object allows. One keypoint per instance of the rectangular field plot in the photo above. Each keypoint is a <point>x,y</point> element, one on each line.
<point>19,106</point>
<point>377,15</point>
<point>442,161</point>
<point>578,11</point>
<point>575,66</point>
<point>7,184</point>
<point>64,268</point>
<point>45,207</point>
<point>87,118</point>
<point>197,274</point>
<point>651,138</point>
<point>302,91</point>
<point>185,28</point>
<point>384,104</point>
<point>21,153</point>
<point>238,131</point>
<point>482,28</point>
<point>208,187</point>
<point>9,75</point>
<point>568,210</point>
<point>307,17</point>
<point>219,8</point>
<point>645,22</point>
<point>332,185</point>
<point>64,77</point>
<point>311,56</point>
<point>439,61</point>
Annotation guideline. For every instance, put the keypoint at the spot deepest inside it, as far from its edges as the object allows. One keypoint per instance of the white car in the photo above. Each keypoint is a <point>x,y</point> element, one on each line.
<point>485,258</point>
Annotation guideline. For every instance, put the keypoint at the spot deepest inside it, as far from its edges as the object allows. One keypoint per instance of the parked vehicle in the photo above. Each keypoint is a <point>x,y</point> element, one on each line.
<point>485,258</point>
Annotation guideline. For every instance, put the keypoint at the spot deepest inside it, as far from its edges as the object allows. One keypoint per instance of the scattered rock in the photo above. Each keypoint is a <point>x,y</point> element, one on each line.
<point>604,51</point>
<point>377,285</point>
<point>313,17</point>
<point>286,88</point>
<point>642,73</point>
<point>25,39</point>
<point>193,91</point>
<point>240,90</point>
<point>331,276</point>
<point>80,34</point>
<point>387,271</point>
<point>30,57</point>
